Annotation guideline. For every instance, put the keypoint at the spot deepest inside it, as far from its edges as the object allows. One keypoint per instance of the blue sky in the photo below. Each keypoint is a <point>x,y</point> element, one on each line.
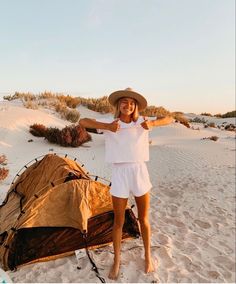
<point>180,54</point>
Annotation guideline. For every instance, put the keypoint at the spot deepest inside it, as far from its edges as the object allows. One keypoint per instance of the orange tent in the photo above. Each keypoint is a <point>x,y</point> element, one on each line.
<point>50,209</point>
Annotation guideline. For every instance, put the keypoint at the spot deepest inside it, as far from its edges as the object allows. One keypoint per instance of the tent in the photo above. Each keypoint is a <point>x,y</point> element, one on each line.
<point>53,208</point>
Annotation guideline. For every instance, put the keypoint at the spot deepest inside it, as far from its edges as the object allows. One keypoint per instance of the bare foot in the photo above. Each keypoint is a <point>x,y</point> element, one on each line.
<point>149,267</point>
<point>114,272</point>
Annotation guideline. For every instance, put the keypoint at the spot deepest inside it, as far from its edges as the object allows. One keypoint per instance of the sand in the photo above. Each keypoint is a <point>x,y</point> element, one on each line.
<point>192,201</point>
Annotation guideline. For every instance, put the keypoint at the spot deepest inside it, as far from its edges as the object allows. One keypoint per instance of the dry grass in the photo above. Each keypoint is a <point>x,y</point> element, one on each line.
<point>179,117</point>
<point>213,138</point>
<point>71,115</point>
<point>3,160</point>
<point>198,120</point>
<point>158,112</point>
<point>30,104</point>
<point>3,171</point>
<point>100,105</point>
<point>64,105</point>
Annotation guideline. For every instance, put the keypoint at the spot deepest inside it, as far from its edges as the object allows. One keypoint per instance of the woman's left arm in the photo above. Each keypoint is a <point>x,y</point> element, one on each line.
<point>147,124</point>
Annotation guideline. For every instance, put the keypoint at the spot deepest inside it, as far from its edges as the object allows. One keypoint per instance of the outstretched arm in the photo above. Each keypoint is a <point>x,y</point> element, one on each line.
<point>147,124</point>
<point>92,123</point>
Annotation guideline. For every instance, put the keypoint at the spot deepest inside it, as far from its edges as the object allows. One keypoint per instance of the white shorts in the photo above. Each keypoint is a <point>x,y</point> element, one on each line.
<point>129,177</point>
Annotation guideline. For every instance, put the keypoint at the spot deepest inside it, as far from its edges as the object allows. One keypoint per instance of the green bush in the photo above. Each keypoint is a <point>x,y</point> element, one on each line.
<point>229,114</point>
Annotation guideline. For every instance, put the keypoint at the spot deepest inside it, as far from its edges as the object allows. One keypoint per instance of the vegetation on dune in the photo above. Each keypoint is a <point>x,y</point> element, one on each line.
<point>179,117</point>
<point>227,114</point>
<point>219,115</point>
<point>213,138</point>
<point>69,136</point>
<point>100,105</point>
<point>96,104</point>
<point>66,105</point>
<point>3,171</point>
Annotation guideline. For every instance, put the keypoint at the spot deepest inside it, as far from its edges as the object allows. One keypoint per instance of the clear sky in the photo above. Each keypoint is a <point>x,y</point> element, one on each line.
<point>180,54</point>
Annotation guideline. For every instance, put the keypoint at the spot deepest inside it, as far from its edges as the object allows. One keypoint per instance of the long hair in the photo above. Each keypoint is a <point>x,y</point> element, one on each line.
<point>134,115</point>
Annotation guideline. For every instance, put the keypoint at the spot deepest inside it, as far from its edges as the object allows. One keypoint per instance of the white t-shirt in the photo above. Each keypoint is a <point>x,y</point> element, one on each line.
<point>128,145</point>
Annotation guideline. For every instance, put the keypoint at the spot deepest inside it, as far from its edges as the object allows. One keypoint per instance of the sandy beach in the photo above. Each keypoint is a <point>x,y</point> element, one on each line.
<point>192,200</point>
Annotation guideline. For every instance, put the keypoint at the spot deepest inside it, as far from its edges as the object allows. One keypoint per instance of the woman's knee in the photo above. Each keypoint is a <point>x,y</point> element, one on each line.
<point>119,221</point>
<point>144,221</point>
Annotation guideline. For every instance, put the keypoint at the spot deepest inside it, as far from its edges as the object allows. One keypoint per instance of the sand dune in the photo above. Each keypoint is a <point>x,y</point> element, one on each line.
<point>192,201</point>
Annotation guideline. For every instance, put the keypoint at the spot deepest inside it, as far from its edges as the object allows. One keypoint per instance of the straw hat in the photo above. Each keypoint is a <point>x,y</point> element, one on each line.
<point>127,93</point>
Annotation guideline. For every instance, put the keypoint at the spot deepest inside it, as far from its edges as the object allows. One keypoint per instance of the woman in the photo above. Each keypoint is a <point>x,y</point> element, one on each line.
<point>127,149</point>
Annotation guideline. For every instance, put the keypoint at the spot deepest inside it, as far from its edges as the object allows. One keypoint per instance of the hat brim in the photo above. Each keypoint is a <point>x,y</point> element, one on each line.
<point>114,97</point>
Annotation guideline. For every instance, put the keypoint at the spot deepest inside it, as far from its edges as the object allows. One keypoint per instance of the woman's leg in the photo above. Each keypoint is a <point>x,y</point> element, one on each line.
<point>119,205</point>
<point>143,217</point>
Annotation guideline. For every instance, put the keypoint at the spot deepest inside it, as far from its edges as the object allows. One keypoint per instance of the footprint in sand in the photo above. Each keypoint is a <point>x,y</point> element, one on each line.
<point>164,257</point>
<point>187,215</point>
<point>202,224</point>
<point>213,274</point>
<point>163,239</point>
<point>173,194</point>
<point>187,262</point>
<point>172,210</point>
<point>174,222</point>
<point>225,262</point>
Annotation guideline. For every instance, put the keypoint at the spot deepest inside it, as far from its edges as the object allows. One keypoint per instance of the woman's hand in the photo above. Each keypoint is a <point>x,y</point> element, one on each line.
<point>114,126</point>
<point>146,124</point>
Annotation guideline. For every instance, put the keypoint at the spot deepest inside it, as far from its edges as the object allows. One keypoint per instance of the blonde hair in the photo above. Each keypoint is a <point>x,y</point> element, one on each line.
<point>134,115</point>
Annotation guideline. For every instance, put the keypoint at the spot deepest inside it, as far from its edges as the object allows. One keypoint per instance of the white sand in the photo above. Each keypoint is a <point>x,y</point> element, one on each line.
<point>192,201</point>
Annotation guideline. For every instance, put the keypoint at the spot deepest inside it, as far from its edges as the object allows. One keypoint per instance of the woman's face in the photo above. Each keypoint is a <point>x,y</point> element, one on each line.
<point>127,106</point>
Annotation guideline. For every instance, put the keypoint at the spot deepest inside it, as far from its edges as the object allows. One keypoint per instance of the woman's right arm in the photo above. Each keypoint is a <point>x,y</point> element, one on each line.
<point>92,123</point>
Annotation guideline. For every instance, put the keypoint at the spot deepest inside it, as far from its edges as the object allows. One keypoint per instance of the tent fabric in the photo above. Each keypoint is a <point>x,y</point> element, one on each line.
<point>49,208</point>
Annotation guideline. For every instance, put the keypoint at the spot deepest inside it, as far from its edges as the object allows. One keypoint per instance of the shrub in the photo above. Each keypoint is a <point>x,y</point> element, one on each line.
<point>206,114</point>
<point>69,136</point>
<point>47,95</point>
<point>213,138</point>
<point>198,120</point>
<point>179,117</point>
<point>59,107</point>
<point>30,104</point>
<point>230,127</point>
<point>153,111</point>
<point>229,114</point>
<point>38,130</point>
<point>72,115</point>
<point>3,173</point>
<point>212,124</point>
<point>3,160</point>
<point>53,135</point>
<point>71,102</point>
<point>73,135</point>
<point>100,105</point>
<point>13,97</point>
